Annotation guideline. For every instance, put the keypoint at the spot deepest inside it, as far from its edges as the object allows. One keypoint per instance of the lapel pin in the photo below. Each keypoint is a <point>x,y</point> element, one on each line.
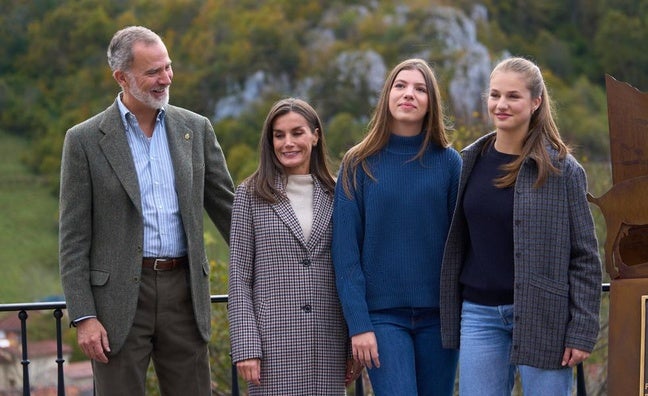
<point>187,136</point>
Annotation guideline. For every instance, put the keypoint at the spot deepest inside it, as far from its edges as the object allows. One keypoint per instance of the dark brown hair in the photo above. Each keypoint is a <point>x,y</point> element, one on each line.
<point>262,181</point>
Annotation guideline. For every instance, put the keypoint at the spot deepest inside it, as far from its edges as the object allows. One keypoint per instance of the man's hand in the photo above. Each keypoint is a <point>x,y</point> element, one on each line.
<point>93,339</point>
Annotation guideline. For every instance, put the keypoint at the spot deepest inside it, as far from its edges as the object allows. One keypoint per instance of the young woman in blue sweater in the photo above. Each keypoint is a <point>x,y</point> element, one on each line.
<point>393,205</point>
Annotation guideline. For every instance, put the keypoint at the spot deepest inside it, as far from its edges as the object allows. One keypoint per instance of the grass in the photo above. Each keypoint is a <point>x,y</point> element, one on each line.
<point>28,230</point>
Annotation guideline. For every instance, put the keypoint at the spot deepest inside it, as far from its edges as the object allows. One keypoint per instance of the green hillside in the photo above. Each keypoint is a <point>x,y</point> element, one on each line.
<point>28,229</point>
<point>53,74</point>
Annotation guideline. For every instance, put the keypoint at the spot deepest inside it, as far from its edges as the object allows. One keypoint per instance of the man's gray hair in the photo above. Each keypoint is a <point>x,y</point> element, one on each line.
<point>120,50</point>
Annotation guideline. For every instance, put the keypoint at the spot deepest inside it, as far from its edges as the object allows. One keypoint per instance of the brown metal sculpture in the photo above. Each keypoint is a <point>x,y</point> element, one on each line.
<point>625,205</point>
<point>625,208</point>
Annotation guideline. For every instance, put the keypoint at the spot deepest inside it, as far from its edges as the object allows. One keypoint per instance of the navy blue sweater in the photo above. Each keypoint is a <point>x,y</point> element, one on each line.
<point>388,239</point>
<point>487,274</point>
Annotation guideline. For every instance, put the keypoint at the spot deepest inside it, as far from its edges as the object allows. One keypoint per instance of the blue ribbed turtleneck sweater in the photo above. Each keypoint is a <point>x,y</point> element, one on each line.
<point>388,238</point>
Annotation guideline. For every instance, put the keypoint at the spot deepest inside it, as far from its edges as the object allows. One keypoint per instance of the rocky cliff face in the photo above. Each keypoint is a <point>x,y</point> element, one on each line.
<point>445,36</point>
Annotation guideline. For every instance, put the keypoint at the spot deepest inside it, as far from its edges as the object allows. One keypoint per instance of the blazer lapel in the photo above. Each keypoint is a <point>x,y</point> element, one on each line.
<point>286,213</point>
<point>469,157</point>
<point>322,212</point>
<point>180,139</point>
<point>115,147</point>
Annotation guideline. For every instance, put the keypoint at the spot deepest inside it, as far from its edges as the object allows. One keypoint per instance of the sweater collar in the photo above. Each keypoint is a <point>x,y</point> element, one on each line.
<point>405,144</point>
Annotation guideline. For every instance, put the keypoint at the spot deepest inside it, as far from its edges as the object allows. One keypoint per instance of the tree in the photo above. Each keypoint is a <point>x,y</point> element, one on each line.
<point>617,43</point>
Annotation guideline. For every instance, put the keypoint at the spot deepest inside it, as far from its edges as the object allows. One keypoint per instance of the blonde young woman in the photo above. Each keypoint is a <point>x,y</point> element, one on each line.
<point>287,332</point>
<point>521,277</point>
<point>393,205</point>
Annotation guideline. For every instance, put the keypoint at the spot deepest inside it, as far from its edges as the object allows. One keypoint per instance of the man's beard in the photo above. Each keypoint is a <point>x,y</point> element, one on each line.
<point>146,97</point>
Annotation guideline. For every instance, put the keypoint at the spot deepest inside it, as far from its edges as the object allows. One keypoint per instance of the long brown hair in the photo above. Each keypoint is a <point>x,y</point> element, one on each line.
<point>263,179</point>
<point>542,128</point>
<point>379,127</point>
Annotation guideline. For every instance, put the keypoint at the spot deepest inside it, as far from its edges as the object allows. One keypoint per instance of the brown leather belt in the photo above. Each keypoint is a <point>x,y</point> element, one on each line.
<point>164,264</point>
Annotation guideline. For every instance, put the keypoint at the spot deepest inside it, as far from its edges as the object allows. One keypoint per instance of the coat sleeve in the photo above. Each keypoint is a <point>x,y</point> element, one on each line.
<point>219,188</point>
<point>584,267</point>
<point>75,228</point>
<point>244,333</point>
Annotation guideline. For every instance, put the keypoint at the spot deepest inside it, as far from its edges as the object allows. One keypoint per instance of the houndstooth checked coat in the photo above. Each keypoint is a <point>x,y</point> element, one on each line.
<point>283,306</point>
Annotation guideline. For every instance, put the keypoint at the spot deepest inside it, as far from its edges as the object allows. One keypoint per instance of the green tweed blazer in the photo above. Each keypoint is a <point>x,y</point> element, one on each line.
<point>101,226</point>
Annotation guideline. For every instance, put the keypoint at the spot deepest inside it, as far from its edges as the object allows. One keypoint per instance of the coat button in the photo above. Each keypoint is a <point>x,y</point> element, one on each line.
<point>515,347</point>
<point>306,262</point>
<point>307,308</point>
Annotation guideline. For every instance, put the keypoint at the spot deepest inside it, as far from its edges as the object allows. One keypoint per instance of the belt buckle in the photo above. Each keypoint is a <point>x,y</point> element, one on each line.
<point>155,264</point>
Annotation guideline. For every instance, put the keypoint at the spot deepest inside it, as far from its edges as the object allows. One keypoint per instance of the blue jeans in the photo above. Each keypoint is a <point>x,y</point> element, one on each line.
<point>484,357</point>
<point>412,360</point>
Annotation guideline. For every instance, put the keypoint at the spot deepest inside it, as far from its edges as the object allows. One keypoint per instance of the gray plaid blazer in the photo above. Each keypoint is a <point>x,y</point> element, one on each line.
<point>557,267</point>
<point>283,306</point>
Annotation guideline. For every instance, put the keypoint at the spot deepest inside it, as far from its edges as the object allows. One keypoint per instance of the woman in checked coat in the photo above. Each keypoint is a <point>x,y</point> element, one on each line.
<point>287,331</point>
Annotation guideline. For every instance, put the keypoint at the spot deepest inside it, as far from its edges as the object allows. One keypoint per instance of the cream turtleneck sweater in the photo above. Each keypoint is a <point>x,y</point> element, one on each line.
<point>299,190</point>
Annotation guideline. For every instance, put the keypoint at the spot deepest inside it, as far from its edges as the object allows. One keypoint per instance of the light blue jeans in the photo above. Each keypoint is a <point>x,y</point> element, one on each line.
<point>412,360</point>
<point>484,357</point>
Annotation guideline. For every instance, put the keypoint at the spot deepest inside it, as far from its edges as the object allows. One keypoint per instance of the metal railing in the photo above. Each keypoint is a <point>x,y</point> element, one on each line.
<point>58,306</point>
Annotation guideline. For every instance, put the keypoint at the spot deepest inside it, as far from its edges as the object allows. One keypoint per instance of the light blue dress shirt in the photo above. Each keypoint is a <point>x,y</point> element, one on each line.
<point>163,231</point>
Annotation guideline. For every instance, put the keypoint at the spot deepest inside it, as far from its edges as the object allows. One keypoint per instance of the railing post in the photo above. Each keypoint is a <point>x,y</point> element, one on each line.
<point>359,386</point>
<point>58,314</point>
<point>581,390</point>
<point>25,362</point>
<point>235,387</point>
